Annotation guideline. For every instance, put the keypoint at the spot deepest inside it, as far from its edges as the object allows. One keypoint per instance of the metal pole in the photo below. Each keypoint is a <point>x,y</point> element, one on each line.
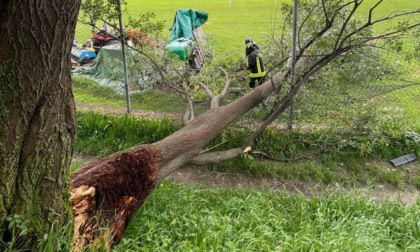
<point>127,95</point>
<point>292,68</point>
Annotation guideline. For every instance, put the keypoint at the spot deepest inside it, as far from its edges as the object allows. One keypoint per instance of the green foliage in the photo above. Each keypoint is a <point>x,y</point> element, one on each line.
<point>328,154</point>
<point>105,134</point>
<point>240,220</point>
<point>17,229</point>
<point>54,240</point>
<point>146,26</point>
<point>102,10</point>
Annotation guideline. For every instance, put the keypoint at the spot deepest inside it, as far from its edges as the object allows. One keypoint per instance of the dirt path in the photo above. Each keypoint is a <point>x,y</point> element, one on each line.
<point>199,177</point>
<point>204,178</point>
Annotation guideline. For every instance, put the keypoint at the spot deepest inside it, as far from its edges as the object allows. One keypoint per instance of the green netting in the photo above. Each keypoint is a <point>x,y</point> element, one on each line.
<point>107,70</point>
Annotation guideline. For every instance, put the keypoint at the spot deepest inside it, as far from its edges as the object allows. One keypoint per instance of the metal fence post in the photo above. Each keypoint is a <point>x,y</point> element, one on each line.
<point>293,60</point>
<point>127,95</point>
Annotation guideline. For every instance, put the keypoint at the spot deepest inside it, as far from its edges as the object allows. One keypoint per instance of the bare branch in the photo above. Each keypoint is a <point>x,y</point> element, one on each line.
<point>323,31</point>
<point>227,83</point>
<point>189,113</point>
<point>327,20</point>
<point>207,89</point>
<point>390,17</point>
<point>215,101</point>
<point>215,157</point>
<point>371,11</point>
<point>390,34</point>
<point>344,26</point>
<point>303,24</point>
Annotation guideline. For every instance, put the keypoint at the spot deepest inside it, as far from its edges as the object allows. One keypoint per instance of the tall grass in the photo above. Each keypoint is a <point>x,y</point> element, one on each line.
<point>176,218</point>
<point>327,156</point>
<point>105,134</point>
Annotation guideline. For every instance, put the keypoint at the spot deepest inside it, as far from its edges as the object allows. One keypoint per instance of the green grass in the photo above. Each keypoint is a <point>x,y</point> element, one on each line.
<point>386,8</point>
<point>175,218</point>
<point>105,134</point>
<point>327,171</point>
<point>229,27</point>
<point>324,157</point>
<point>229,24</point>
<point>407,101</point>
<point>88,91</point>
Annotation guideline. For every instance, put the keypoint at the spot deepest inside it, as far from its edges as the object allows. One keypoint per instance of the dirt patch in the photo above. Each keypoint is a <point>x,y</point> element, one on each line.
<point>199,177</point>
<point>203,178</point>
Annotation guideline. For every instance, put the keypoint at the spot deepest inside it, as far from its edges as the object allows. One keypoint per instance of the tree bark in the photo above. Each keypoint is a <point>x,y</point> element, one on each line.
<point>106,194</point>
<point>37,121</point>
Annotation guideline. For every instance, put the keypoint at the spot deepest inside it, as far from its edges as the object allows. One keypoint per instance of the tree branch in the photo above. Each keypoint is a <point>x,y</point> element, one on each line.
<point>207,89</point>
<point>215,157</point>
<point>215,101</point>
<point>324,9</point>
<point>371,11</point>
<point>390,17</point>
<point>189,113</point>
<point>344,26</point>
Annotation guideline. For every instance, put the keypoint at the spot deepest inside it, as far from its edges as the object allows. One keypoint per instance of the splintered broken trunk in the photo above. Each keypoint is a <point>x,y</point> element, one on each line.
<point>105,194</point>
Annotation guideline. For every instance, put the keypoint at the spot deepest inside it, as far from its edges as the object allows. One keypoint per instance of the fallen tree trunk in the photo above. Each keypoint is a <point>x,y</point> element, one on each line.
<point>106,193</point>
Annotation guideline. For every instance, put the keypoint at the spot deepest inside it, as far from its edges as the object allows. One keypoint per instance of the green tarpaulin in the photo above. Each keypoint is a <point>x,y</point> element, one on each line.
<point>186,21</point>
<point>107,70</point>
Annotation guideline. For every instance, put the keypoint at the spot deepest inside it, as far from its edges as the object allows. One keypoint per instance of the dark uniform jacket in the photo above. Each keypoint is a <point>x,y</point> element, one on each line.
<point>256,64</point>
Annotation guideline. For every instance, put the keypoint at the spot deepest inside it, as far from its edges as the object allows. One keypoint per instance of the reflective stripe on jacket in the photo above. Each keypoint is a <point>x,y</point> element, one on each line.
<point>256,64</point>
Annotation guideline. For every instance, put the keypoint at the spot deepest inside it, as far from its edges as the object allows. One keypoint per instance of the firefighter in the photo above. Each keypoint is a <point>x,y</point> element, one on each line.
<point>255,63</point>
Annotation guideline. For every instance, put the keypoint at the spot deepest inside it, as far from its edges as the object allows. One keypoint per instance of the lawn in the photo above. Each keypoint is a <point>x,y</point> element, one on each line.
<point>176,218</point>
<point>230,22</point>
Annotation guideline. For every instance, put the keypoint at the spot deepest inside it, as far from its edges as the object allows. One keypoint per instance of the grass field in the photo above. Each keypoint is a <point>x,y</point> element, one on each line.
<point>230,22</point>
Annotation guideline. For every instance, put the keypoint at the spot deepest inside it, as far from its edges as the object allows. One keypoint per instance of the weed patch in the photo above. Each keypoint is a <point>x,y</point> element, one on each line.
<point>240,220</point>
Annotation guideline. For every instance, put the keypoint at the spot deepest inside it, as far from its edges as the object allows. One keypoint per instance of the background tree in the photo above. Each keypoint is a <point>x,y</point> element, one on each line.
<point>37,121</point>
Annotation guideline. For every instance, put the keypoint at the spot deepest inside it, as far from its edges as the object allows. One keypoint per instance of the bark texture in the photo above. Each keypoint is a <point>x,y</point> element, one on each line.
<point>106,193</point>
<point>37,122</point>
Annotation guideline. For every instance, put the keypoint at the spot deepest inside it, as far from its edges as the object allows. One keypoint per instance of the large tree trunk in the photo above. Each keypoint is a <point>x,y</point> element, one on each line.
<point>37,121</point>
<point>105,194</point>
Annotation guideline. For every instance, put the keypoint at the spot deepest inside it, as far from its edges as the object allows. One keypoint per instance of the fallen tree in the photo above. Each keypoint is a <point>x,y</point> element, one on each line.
<point>114,187</point>
<point>37,118</point>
